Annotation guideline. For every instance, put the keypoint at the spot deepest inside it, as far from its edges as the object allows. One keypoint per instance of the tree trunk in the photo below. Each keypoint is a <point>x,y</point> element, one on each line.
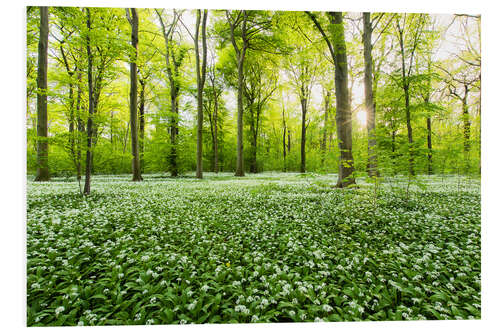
<point>343,115</point>
<point>239,158</point>
<point>136,164</point>
<point>142,125</point>
<point>240,55</point>
<point>325,126</point>
<point>42,172</point>
<point>81,129</point>
<point>289,141</point>
<point>467,125</point>
<point>200,80</point>
<point>284,140</point>
<point>216,143</point>
<point>429,146</point>
<point>406,88</point>
<point>369,101</point>
<point>303,104</point>
<point>86,189</point>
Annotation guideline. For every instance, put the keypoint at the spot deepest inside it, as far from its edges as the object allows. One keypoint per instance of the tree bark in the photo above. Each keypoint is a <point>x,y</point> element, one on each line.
<point>200,80</point>
<point>136,164</point>
<point>429,146</point>
<point>240,55</point>
<point>369,101</point>
<point>88,161</point>
<point>467,125</point>
<point>284,139</point>
<point>325,127</point>
<point>142,122</point>
<point>42,173</point>
<point>303,104</point>
<point>343,115</point>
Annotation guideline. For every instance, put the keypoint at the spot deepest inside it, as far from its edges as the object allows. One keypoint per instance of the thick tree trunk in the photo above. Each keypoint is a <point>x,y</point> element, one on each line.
<point>88,161</point>
<point>136,164</point>
<point>369,101</point>
<point>303,104</point>
<point>200,80</point>
<point>42,172</point>
<point>343,115</point>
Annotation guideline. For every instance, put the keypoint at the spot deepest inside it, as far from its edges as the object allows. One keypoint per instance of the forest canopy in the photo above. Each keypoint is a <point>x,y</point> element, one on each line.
<point>173,91</point>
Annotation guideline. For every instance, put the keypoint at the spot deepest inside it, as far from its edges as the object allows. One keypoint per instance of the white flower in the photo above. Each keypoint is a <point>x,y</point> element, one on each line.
<point>59,310</point>
<point>204,287</point>
<point>327,308</point>
<point>191,306</point>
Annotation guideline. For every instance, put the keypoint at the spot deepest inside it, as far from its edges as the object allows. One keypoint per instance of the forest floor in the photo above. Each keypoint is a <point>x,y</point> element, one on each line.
<point>263,248</point>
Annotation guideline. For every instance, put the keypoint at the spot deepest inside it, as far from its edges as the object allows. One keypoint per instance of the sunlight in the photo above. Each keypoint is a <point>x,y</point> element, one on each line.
<point>361,116</point>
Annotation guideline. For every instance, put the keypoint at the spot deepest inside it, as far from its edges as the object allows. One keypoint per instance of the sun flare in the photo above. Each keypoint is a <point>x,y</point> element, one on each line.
<point>361,116</point>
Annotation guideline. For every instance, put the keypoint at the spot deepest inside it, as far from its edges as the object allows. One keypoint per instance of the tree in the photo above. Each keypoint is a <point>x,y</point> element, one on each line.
<point>213,94</point>
<point>343,118</point>
<point>239,20</point>
<point>303,77</point>
<point>173,62</point>
<point>409,29</point>
<point>136,165</point>
<point>86,188</point>
<point>42,173</point>
<point>259,85</point>
<point>200,80</point>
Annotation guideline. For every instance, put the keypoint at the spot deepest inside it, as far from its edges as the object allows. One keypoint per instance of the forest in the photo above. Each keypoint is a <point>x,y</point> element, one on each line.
<point>230,166</point>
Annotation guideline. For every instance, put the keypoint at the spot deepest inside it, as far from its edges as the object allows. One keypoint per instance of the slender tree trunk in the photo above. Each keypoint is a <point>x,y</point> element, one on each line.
<point>253,163</point>
<point>409,128</point>
<point>343,115</point>
<point>216,141</point>
<point>240,55</point>
<point>136,164</point>
<point>284,140</point>
<point>200,80</point>
<point>173,131</point>
<point>81,129</point>
<point>369,101</point>
<point>88,161</point>
<point>289,141</point>
<point>429,146</point>
<point>325,126</point>
<point>240,171</point>
<point>406,88</point>
<point>303,103</point>
<point>42,172</point>
<point>142,123</point>
<point>467,125</point>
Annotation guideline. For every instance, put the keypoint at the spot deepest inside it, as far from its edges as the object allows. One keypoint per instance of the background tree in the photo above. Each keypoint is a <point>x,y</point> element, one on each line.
<point>200,80</point>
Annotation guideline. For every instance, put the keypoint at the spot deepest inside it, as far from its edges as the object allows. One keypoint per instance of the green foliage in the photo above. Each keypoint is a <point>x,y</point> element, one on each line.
<point>280,247</point>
